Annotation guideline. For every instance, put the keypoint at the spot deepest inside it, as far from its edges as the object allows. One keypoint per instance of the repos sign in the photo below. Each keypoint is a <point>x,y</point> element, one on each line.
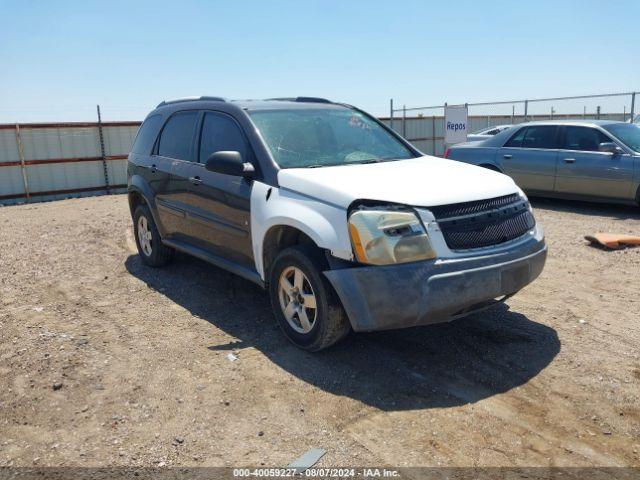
<point>455,124</point>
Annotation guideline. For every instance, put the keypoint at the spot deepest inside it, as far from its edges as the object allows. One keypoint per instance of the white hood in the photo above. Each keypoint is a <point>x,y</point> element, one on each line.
<point>420,182</point>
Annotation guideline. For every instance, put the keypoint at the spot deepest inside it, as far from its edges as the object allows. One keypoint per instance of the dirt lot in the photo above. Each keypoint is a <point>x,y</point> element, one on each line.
<point>104,361</point>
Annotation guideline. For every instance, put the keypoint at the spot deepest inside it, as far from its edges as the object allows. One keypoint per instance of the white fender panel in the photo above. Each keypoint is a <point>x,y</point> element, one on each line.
<point>324,223</point>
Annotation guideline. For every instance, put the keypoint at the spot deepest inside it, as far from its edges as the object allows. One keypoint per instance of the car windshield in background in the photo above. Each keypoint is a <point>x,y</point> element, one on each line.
<point>628,133</point>
<point>324,137</point>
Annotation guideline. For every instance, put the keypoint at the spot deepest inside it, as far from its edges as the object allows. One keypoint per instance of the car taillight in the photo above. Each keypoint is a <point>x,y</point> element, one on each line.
<point>446,153</point>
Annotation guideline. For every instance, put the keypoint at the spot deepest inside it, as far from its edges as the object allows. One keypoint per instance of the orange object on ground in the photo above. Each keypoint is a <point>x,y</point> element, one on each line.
<point>613,240</point>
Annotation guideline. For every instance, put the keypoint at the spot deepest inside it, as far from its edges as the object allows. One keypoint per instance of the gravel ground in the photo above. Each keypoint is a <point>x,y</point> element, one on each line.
<point>106,362</point>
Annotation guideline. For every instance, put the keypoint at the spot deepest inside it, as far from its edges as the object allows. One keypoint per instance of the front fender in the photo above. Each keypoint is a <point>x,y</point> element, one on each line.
<point>324,223</point>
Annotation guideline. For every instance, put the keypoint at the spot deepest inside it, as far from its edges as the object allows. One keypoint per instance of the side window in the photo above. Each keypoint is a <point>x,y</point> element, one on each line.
<point>516,140</point>
<point>147,134</point>
<point>543,136</point>
<point>584,138</point>
<point>176,138</point>
<point>220,132</point>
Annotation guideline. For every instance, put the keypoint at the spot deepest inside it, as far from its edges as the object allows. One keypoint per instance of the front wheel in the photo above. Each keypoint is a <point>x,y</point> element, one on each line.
<point>306,307</point>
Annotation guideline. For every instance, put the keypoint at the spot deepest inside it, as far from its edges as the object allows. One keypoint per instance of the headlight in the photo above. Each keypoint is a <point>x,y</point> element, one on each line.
<point>383,237</point>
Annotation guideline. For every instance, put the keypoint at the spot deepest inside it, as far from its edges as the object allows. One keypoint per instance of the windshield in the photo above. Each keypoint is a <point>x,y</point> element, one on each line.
<point>627,133</point>
<point>322,137</point>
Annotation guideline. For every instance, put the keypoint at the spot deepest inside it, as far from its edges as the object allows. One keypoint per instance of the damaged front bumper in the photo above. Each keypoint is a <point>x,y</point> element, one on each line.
<point>434,291</point>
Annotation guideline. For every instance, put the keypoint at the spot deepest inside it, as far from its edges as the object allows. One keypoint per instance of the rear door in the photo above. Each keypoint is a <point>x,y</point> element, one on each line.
<point>583,170</point>
<point>530,157</point>
<point>218,204</point>
<point>175,146</point>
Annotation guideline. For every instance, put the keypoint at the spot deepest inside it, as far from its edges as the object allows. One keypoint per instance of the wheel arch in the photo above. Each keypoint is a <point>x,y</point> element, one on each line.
<point>279,237</point>
<point>491,166</point>
<point>140,193</point>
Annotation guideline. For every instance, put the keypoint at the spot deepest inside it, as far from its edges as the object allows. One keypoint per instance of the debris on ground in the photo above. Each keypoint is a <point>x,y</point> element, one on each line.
<point>308,460</point>
<point>613,241</point>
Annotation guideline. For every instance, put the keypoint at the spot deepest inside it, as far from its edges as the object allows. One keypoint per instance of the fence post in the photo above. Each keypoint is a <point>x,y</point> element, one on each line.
<point>404,121</point>
<point>633,105</point>
<point>526,109</point>
<point>598,113</point>
<point>433,133</point>
<point>23,165</point>
<point>513,114</point>
<point>391,114</point>
<point>102,152</point>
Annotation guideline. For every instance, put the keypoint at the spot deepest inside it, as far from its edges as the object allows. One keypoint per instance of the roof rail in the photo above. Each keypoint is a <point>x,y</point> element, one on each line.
<point>302,99</point>
<point>190,99</point>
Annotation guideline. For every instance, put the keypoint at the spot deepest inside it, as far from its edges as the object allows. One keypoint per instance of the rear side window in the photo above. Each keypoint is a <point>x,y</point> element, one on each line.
<point>219,133</point>
<point>176,138</point>
<point>543,136</point>
<point>516,140</point>
<point>147,134</point>
<point>584,138</point>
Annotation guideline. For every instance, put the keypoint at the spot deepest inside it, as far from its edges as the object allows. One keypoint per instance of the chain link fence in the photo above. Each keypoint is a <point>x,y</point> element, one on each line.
<point>424,126</point>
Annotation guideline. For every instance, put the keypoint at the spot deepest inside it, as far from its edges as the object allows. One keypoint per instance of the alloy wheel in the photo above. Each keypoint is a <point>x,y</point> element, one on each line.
<point>144,236</point>
<point>297,299</point>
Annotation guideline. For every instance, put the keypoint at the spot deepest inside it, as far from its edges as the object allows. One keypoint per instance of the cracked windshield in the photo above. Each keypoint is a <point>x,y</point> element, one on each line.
<point>326,137</point>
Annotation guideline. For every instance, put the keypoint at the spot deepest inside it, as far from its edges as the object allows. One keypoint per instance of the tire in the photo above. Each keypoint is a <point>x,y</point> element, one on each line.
<point>330,323</point>
<point>155,253</point>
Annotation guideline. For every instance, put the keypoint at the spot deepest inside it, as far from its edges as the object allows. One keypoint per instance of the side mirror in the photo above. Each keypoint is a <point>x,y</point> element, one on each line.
<point>609,147</point>
<point>229,163</point>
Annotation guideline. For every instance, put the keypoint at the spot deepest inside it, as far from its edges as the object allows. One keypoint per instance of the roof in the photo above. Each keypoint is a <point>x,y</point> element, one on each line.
<point>266,104</point>
<point>285,104</point>
<point>588,122</point>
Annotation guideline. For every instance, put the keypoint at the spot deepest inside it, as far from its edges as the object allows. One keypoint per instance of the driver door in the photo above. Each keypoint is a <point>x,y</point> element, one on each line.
<point>218,205</point>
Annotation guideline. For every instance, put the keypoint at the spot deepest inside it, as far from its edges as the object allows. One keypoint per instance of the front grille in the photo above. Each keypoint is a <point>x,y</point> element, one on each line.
<point>484,223</point>
<point>477,206</point>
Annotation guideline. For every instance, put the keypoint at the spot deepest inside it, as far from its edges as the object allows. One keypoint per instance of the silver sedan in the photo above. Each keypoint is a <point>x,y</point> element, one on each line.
<point>589,160</point>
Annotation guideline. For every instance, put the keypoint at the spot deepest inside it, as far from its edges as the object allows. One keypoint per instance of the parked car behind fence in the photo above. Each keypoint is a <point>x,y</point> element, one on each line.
<point>591,160</point>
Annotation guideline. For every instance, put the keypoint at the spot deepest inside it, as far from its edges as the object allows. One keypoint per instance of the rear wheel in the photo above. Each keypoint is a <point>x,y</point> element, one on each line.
<point>150,247</point>
<point>306,307</point>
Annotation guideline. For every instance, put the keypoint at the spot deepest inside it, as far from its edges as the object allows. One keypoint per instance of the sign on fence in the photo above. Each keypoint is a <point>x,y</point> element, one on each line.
<point>455,124</point>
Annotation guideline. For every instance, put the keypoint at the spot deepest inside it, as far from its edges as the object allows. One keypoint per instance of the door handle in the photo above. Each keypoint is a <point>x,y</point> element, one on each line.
<point>569,160</point>
<point>507,157</point>
<point>195,180</point>
<point>154,169</point>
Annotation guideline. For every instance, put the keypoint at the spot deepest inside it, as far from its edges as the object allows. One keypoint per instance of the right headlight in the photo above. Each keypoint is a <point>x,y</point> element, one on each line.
<point>383,237</point>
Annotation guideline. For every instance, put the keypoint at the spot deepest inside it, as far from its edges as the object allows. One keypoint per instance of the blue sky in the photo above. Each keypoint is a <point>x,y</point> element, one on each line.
<point>61,58</point>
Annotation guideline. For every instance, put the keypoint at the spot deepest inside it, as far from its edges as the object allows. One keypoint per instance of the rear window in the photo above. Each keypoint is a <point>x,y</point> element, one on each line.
<point>176,138</point>
<point>147,134</point>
